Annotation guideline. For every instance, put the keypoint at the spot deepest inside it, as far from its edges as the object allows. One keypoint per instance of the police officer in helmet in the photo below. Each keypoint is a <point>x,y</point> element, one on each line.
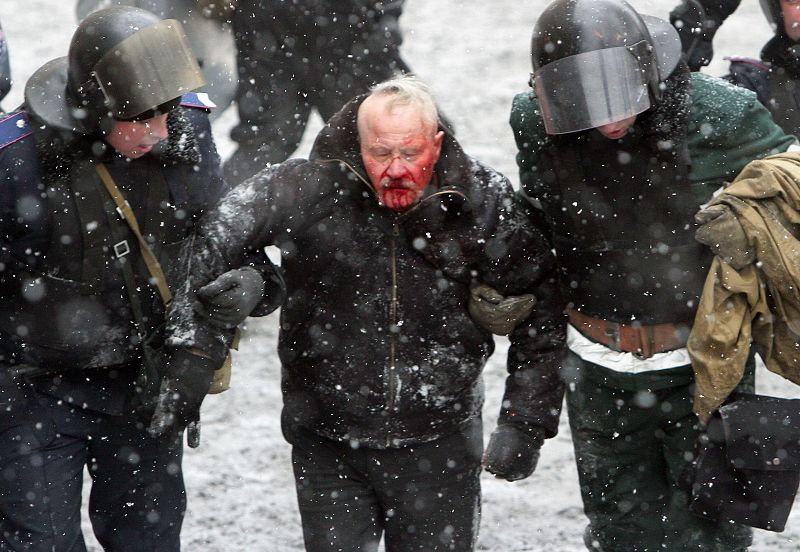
<point>619,144</point>
<point>110,128</point>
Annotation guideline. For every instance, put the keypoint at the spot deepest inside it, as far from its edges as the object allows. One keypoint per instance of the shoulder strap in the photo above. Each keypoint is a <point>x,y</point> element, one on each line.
<point>153,266</point>
<point>148,379</point>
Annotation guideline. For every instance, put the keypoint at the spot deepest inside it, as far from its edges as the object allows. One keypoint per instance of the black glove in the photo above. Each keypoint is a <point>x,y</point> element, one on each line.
<point>513,451</point>
<point>185,384</point>
<point>229,299</point>
<point>696,28</point>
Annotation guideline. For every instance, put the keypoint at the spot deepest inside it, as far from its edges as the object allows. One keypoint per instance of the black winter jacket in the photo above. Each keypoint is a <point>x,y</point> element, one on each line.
<point>376,342</point>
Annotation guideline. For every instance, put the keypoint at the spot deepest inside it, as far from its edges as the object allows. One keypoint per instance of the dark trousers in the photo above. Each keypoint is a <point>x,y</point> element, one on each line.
<point>423,497</point>
<point>137,499</point>
<point>631,447</point>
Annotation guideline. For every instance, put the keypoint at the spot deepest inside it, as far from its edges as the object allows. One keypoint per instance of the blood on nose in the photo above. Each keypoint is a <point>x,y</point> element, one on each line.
<point>396,168</point>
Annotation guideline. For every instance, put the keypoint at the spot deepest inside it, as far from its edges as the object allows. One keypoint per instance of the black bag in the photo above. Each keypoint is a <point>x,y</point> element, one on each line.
<point>747,468</point>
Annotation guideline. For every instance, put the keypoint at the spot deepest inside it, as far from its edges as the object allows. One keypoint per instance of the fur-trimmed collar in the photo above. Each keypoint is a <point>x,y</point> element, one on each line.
<point>664,126</point>
<point>59,151</point>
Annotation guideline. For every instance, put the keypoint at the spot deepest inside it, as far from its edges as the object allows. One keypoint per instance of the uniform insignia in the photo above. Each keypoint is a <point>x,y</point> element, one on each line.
<point>13,128</point>
<point>197,99</point>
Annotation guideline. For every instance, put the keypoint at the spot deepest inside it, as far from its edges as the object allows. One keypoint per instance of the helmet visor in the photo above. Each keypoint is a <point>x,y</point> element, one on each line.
<point>148,69</point>
<point>591,89</point>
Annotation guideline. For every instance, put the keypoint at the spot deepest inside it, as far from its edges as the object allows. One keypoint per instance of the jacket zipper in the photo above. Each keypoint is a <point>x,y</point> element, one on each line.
<point>393,329</point>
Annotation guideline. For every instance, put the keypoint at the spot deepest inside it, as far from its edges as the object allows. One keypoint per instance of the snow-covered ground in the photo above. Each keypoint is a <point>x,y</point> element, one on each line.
<point>474,53</point>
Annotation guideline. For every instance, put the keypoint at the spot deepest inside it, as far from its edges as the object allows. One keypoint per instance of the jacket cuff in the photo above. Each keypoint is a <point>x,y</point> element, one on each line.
<point>533,396</point>
<point>536,434</point>
<point>274,293</point>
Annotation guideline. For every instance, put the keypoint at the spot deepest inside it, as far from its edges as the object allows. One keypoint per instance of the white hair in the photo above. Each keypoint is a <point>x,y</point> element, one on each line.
<point>409,90</point>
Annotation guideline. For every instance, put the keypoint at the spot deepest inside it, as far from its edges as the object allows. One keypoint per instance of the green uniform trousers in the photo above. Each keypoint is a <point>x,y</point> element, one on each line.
<point>633,436</point>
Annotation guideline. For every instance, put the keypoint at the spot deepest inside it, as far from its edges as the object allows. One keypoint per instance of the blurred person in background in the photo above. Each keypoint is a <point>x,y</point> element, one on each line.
<point>775,78</point>
<point>5,68</point>
<point>697,21</point>
<point>295,57</point>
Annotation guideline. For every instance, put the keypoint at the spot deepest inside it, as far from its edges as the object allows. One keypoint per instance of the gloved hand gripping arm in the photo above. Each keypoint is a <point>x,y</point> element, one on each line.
<point>497,313</point>
<point>231,297</point>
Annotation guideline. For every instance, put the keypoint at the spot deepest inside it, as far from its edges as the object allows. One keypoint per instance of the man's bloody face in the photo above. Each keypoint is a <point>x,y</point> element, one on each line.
<point>399,149</point>
<point>133,139</point>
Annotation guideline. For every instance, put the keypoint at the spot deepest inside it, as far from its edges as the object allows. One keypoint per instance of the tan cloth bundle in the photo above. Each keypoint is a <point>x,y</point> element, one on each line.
<point>753,287</point>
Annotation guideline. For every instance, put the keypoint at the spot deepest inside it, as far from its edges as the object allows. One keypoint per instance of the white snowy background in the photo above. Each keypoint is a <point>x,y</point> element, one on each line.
<point>475,56</point>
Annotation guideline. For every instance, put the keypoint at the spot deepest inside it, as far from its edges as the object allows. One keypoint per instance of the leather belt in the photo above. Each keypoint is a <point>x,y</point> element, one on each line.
<point>643,341</point>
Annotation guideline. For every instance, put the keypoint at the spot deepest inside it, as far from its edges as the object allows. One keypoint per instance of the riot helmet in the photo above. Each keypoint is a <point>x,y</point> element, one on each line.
<point>597,62</point>
<point>123,63</point>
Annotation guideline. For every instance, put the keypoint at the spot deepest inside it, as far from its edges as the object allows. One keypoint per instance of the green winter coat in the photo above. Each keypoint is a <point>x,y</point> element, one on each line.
<point>727,128</point>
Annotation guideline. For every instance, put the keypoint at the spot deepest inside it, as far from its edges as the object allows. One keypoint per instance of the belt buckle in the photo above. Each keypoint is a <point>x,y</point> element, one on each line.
<point>611,331</point>
<point>646,341</point>
<point>121,249</point>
